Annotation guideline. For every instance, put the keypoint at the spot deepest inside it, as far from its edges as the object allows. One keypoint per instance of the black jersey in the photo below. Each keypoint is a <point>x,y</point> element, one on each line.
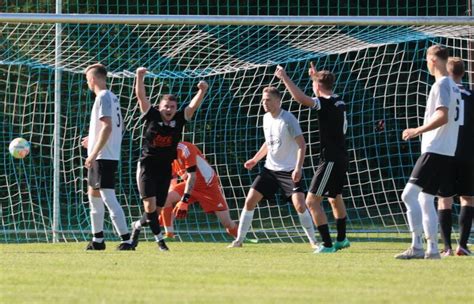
<point>160,140</point>
<point>332,127</point>
<point>465,145</point>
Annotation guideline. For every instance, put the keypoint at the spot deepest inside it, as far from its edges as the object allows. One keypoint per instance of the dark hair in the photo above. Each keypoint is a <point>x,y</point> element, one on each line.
<point>325,78</point>
<point>438,51</point>
<point>169,97</point>
<point>98,70</point>
<point>456,66</point>
<point>272,91</point>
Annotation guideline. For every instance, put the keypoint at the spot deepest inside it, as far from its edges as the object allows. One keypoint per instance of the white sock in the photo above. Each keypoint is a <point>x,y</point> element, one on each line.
<point>116,212</point>
<point>430,221</point>
<point>158,237</point>
<point>244,224</point>
<point>97,214</point>
<point>169,229</point>
<point>137,225</point>
<point>308,227</point>
<point>410,198</point>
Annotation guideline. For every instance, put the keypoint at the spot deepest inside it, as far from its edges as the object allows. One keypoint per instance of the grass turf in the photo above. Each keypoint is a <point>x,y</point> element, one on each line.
<point>211,273</point>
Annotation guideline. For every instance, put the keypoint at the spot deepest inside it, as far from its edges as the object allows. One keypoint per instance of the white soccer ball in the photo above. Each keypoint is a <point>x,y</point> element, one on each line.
<point>19,148</point>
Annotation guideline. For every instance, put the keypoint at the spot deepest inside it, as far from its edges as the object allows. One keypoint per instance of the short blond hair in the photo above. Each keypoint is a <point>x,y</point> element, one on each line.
<point>455,66</point>
<point>325,78</point>
<point>98,70</point>
<point>438,51</point>
<point>272,91</point>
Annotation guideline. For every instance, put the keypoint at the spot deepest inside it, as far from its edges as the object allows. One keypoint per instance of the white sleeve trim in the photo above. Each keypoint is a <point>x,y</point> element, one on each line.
<point>317,104</point>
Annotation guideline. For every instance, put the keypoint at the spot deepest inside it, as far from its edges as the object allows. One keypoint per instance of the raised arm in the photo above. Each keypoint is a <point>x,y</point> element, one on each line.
<point>197,100</point>
<point>298,172</point>
<point>295,92</point>
<point>140,90</point>
<point>439,118</point>
<point>257,157</point>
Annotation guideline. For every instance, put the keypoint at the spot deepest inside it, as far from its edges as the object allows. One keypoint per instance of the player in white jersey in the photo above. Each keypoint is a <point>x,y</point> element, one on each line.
<point>462,180</point>
<point>285,149</point>
<point>103,150</point>
<point>438,145</point>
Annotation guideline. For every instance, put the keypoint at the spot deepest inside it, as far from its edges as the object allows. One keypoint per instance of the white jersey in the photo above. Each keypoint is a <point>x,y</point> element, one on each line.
<point>106,105</point>
<point>280,133</point>
<point>442,140</point>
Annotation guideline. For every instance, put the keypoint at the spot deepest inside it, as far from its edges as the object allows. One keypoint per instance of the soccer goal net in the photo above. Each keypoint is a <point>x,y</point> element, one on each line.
<point>381,74</point>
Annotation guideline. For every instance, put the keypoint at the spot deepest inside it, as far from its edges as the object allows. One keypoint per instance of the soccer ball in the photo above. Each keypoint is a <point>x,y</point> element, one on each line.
<point>19,147</point>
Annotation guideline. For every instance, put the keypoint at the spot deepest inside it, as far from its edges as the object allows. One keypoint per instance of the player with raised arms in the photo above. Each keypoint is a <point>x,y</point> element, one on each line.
<point>330,175</point>
<point>163,130</point>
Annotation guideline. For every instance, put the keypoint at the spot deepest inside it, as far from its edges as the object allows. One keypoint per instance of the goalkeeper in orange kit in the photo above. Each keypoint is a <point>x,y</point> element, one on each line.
<point>200,183</point>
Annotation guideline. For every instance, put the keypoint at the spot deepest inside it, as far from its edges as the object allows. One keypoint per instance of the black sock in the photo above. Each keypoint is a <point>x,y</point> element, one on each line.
<point>125,237</point>
<point>324,232</point>
<point>152,219</point>
<point>341,229</point>
<point>99,235</point>
<point>143,220</point>
<point>446,225</point>
<point>465,224</point>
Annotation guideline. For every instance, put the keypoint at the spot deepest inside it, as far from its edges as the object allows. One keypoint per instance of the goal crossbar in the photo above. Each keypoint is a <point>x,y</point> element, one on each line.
<point>233,20</point>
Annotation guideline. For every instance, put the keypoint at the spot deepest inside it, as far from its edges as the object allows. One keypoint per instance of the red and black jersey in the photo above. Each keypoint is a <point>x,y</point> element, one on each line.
<point>160,139</point>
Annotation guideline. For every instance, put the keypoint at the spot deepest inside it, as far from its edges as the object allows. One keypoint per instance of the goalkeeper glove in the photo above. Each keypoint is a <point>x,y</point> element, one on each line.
<point>181,209</point>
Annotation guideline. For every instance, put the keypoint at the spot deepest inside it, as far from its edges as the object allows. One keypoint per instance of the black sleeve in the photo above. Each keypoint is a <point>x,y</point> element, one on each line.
<point>180,117</point>
<point>152,115</point>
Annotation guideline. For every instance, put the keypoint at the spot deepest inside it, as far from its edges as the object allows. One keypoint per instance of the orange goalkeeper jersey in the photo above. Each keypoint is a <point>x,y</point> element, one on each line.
<point>188,156</point>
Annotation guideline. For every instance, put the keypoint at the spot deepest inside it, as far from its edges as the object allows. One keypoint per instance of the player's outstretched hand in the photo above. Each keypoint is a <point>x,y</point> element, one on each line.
<point>312,70</point>
<point>180,211</point>
<point>85,142</point>
<point>202,85</point>
<point>250,164</point>
<point>141,71</point>
<point>280,72</point>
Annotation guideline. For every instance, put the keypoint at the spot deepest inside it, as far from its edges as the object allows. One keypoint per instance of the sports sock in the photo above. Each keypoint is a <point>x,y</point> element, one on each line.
<point>307,224</point>
<point>465,224</point>
<point>415,220</point>
<point>446,225</point>
<point>126,238</point>
<point>341,229</point>
<point>97,214</point>
<point>116,212</point>
<point>152,220</point>
<point>167,218</point>
<point>325,236</point>
<point>233,231</point>
<point>98,237</point>
<point>244,224</point>
<point>143,220</point>
<point>430,221</point>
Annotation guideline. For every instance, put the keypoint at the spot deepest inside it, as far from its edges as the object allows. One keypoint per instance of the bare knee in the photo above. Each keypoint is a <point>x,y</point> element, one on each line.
<point>445,203</point>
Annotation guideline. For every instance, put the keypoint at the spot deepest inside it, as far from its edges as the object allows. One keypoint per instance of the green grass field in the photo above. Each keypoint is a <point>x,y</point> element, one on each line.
<point>211,273</point>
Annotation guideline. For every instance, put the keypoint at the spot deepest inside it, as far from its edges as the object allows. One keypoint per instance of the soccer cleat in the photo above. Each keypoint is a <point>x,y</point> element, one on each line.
<point>324,249</point>
<point>95,246</point>
<point>135,235</point>
<point>411,253</point>
<point>162,245</point>
<point>170,236</point>
<point>461,251</point>
<point>447,252</point>
<point>235,244</point>
<point>432,256</point>
<point>125,246</point>
<point>314,245</point>
<point>342,244</point>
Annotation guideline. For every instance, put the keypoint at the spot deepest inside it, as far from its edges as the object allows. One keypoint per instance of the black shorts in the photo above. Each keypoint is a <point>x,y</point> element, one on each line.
<point>460,181</point>
<point>153,179</point>
<point>101,175</point>
<point>330,178</point>
<point>431,171</point>
<point>268,182</point>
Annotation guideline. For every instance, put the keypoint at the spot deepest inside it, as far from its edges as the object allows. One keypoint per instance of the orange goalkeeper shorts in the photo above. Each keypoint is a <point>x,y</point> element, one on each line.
<point>209,197</point>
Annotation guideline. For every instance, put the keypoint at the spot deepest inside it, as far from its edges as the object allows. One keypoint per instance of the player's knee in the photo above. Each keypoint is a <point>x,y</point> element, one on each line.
<point>410,194</point>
